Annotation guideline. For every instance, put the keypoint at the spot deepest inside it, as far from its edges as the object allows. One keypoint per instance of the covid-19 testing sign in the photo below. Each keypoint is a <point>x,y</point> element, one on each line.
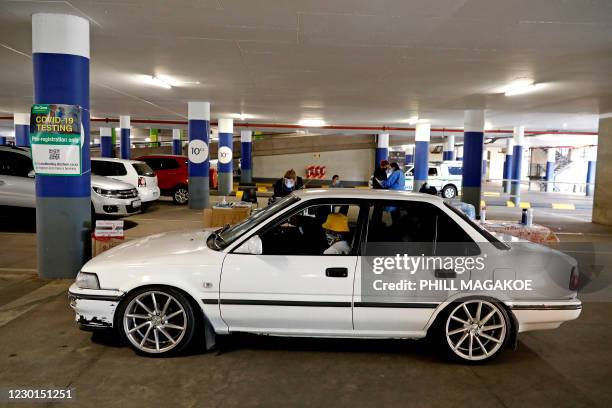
<point>56,137</point>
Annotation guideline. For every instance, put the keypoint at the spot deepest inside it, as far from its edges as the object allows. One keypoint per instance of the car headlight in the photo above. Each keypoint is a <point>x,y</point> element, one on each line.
<point>106,193</point>
<point>85,280</point>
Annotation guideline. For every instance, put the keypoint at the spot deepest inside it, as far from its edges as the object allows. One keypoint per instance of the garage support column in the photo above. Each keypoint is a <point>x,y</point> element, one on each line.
<point>473,143</point>
<point>60,57</point>
<point>449,148</point>
<point>106,142</point>
<point>382,149</point>
<point>421,154</point>
<point>21,123</point>
<point>199,133</point>
<point>125,143</point>
<point>154,137</point>
<point>224,154</point>
<point>409,155</point>
<point>550,169</point>
<point>177,145</point>
<point>508,165</point>
<point>2,140</point>
<point>246,157</point>
<point>517,164</point>
<point>590,178</point>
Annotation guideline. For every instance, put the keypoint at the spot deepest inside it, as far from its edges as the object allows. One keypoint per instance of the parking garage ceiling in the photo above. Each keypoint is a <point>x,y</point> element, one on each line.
<point>355,62</point>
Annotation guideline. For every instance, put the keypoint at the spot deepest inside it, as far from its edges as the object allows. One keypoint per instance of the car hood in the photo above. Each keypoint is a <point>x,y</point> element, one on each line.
<point>109,183</point>
<point>168,248</point>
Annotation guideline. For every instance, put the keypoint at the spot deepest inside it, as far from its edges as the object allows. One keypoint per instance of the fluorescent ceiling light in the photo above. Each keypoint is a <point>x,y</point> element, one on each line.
<point>520,86</point>
<point>175,82</point>
<point>151,80</point>
<point>312,122</point>
<point>413,120</point>
<point>147,139</point>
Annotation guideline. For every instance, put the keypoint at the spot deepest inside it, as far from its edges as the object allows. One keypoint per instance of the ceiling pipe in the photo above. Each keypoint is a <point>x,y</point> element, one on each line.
<point>336,127</point>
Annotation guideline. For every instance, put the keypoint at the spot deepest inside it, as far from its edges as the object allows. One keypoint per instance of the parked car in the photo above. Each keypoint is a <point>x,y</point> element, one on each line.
<point>173,175</point>
<point>133,172</point>
<point>445,177</point>
<point>269,275</point>
<point>18,189</point>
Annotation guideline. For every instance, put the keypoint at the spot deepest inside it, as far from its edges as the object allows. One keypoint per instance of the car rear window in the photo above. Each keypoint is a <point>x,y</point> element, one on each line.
<point>107,168</point>
<point>143,169</point>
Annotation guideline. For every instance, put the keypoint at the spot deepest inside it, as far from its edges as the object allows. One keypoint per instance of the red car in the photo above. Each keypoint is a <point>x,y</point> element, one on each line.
<point>173,175</point>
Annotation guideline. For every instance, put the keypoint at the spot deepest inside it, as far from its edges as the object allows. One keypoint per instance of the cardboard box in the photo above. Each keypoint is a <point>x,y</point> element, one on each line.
<point>99,245</point>
<point>220,216</point>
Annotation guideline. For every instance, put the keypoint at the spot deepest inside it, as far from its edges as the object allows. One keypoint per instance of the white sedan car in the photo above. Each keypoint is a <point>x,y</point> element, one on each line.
<point>269,275</point>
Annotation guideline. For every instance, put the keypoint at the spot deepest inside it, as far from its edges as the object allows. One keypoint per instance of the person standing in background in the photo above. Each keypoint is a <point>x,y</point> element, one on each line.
<point>380,174</point>
<point>335,182</point>
<point>395,181</point>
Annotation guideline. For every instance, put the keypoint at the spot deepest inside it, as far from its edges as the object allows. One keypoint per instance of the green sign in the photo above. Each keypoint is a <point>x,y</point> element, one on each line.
<point>56,137</point>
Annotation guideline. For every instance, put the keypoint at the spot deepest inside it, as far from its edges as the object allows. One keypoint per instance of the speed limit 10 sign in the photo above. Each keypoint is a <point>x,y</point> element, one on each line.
<point>198,151</point>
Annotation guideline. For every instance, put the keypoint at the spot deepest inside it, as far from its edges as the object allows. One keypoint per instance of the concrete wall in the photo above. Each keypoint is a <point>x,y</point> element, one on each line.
<point>351,165</point>
<point>602,201</point>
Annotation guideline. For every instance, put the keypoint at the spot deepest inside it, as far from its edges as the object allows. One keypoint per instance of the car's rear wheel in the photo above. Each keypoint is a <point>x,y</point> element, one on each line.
<point>475,330</point>
<point>181,195</point>
<point>449,191</point>
<point>157,321</point>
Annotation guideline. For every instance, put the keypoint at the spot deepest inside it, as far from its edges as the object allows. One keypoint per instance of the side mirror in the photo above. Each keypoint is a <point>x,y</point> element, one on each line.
<point>251,246</point>
<point>31,174</point>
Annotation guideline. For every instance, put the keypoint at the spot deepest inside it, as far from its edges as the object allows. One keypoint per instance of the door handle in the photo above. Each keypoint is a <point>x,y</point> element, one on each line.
<point>336,272</point>
<point>445,273</point>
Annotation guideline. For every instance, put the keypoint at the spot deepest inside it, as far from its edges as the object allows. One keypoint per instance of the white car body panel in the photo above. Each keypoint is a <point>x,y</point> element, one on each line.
<point>443,178</point>
<point>263,293</point>
<point>147,193</point>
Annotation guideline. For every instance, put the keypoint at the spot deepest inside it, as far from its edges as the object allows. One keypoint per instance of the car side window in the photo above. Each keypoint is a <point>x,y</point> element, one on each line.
<point>153,162</point>
<point>433,171</point>
<point>169,164</point>
<point>107,168</point>
<point>15,164</point>
<point>322,229</point>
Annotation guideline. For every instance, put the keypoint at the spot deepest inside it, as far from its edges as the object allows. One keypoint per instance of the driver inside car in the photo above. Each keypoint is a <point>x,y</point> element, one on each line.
<point>336,229</point>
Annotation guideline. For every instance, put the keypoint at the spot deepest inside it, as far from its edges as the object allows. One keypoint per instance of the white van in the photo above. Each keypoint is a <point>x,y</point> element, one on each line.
<point>444,176</point>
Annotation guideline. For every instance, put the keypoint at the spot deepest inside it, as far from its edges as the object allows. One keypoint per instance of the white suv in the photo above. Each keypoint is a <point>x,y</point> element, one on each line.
<point>18,189</point>
<point>133,172</point>
<point>445,177</point>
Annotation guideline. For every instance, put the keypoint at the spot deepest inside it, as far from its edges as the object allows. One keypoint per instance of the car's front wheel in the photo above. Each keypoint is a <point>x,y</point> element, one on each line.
<point>181,195</point>
<point>475,330</point>
<point>157,321</point>
<point>449,191</point>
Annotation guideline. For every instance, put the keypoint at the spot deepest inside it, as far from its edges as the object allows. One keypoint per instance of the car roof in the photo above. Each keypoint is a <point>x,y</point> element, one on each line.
<point>113,159</point>
<point>10,148</point>
<point>163,156</point>
<point>370,194</point>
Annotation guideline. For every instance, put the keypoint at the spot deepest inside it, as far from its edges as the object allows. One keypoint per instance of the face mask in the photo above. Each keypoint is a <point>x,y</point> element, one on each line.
<point>336,182</point>
<point>289,183</point>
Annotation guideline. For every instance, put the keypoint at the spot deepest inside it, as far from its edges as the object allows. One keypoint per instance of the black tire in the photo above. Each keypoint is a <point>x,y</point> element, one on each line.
<point>180,196</point>
<point>156,343</point>
<point>449,191</point>
<point>445,324</point>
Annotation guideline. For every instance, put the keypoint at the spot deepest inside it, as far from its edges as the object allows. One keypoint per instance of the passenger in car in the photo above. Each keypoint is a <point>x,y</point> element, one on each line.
<point>336,230</point>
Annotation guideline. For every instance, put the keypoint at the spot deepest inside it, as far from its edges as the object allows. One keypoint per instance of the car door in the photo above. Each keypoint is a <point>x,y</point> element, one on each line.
<point>434,178</point>
<point>17,187</point>
<point>292,288</point>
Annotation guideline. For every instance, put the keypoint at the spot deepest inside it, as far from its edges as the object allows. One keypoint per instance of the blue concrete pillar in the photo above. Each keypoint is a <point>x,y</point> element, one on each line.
<point>517,164</point>
<point>409,155</point>
<point>106,142</point>
<point>246,156</point>
<point>449,148</point>
<point>21,123</point>
<point>550,169</point>
<point>507,175</point>
<point>177,143</point>
<point>2,140</point>
<point>60,57</point>
<point>422,136</point>
<point>590,178</point>
<point>124,141</point>
<point>225,156</point>
<point>382,148</point>
<point>197,151</point>
<point>473,146</point>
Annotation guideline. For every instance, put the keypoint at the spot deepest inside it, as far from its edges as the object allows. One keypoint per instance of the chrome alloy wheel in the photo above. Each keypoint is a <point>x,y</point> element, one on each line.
<point>181,195</point>
<point>476,330</point>
<point>154,322</point>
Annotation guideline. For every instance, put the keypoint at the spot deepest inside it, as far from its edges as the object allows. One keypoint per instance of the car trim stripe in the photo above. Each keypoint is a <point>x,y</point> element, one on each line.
<point>94,297</point>
<point>545,307</point>
<point>257,302</point>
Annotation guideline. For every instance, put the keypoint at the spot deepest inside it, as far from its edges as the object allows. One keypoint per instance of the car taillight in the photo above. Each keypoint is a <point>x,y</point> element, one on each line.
<point>574,281</point>
<point>142,182</point>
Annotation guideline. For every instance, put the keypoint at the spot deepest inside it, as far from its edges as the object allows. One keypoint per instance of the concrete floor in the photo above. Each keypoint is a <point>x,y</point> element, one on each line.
<point>41,347</point>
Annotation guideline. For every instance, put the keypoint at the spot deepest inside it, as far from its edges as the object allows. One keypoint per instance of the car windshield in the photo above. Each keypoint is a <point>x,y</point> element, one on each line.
<point>143,169</point>
<point>490,237</point>
<point>223,237</point>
